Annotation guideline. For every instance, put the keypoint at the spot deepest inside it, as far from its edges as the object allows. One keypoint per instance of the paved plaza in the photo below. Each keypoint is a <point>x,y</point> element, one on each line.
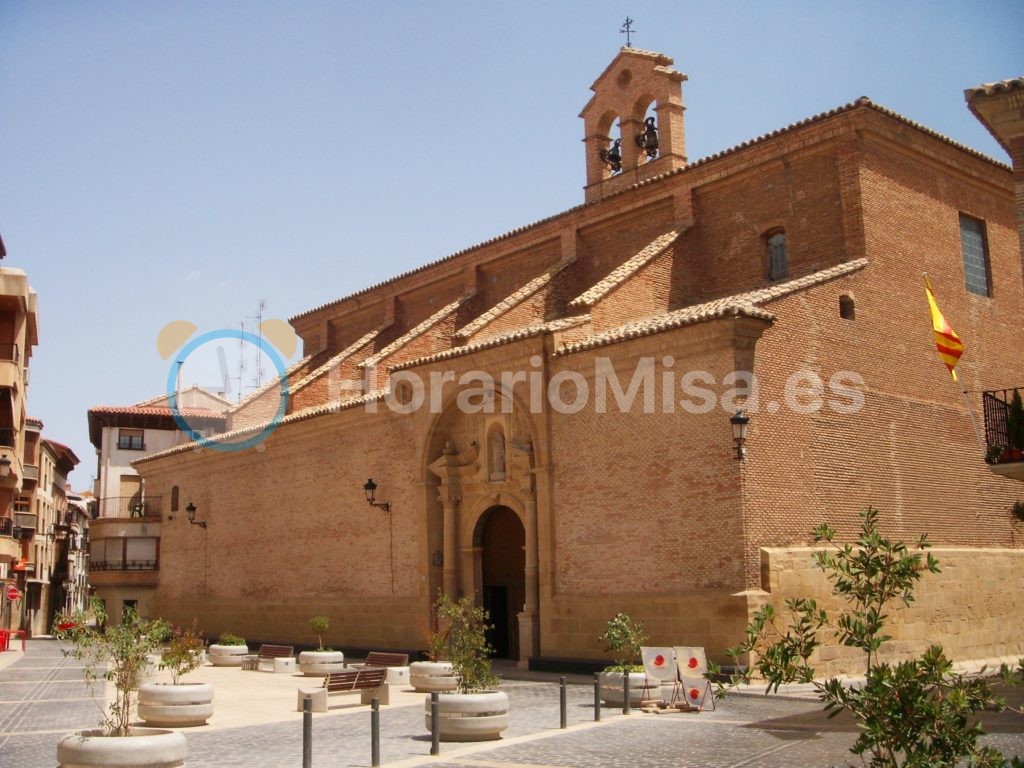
<point>43,696</point>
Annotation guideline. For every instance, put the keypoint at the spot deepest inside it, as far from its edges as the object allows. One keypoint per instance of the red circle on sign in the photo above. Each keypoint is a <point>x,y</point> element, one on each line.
<point>693,662</point>
<point>659,660</point>
<point>13,593</point>
<point>694,694</point>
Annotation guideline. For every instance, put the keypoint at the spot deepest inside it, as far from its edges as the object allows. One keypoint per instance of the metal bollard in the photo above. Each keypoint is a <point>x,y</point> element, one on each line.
<point>435,724</point>
<point>561,701</point>
<point>307,732</point>
<point>625,693</point>
<point>374,732</point>
<point>597,697</point>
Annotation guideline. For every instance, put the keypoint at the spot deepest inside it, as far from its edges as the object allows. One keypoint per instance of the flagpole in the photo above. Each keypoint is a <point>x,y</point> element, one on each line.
<point>974,423</point>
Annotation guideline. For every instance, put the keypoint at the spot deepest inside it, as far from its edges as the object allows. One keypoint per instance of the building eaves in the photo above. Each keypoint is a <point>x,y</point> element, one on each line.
<point>513,300</point>
<point>420,329</point>
<point>862,103</point>
<point>699,313</point>
<point>624,271</point>
<point>303,415</point>
<point>519,334</point>
<point>334,361</point>
<point>272,384</point>
<point>991,89</point>
<point>986,90</point>
<point>742,304</point>
<point>66,457</point>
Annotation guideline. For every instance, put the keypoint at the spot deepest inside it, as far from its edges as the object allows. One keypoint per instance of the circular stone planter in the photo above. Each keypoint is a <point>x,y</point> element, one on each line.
<point>611,689</point>
<point>429,676</point>
<point>470,716</point>
<point>313,663</point>
<point>144,748</point>
<point>175,706</point>
<point>227,655</point>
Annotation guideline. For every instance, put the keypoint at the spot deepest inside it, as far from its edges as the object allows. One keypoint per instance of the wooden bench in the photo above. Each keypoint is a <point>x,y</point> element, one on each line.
<point>382,659</point>
<point>369,682</point>
<point>266,655</point>
<point>397,665</point>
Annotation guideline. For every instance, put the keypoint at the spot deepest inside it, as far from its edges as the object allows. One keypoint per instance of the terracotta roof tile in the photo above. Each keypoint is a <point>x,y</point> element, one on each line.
<point>154,410</point>
<point>420,329</point>
<point>626,270</point>
<point>862,102</point>
<point>512,300</point>
<point>273,383</point>
<point>991,89</point>
<point>335,361</point>
<point>303,415</point>
<point>741,304</point>
<point>698,313</point>
<point>494,341</point>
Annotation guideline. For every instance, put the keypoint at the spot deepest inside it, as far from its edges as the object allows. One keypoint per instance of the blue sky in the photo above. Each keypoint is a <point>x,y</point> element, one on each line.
<point>163,161</point>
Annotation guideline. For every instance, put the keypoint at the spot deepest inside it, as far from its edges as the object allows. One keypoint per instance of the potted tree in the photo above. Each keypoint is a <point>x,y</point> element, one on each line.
<point>473,712</point>
<point>436,673</point>
<point>228,651</point>
<point>118,655</point>
<point>322,660</point>
<point>178,704</point>
<point>623,637</point>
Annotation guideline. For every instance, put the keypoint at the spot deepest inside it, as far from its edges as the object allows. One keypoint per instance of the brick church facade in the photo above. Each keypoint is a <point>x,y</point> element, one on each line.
<point>547,414</point>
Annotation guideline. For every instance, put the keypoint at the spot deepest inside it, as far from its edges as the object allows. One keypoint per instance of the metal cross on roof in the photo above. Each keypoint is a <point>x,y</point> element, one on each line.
<point>626,30</point>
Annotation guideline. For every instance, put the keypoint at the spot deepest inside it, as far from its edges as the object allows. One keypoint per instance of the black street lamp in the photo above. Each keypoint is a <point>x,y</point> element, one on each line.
<point>190,510</point>
<point>739,422</point>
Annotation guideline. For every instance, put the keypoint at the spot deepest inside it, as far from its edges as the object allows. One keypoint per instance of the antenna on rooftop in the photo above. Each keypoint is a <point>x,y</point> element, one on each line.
<point>258,317</point>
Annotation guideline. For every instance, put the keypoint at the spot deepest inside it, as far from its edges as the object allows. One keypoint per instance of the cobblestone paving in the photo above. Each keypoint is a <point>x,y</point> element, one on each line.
<point>42,696</point>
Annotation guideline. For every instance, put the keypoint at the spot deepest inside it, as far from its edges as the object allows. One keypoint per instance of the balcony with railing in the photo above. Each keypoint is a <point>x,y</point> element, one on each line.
<point>10,548</point>
<point>131,506</point>
<point>124,560</point>
<point>1003,410</point>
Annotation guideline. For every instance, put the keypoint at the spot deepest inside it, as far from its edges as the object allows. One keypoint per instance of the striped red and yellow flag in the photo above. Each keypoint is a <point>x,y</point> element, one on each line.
<point>946,341</point>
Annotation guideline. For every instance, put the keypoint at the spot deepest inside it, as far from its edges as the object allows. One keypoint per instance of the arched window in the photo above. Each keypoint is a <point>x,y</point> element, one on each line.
<point>778,256</point>
<point>847,309</point>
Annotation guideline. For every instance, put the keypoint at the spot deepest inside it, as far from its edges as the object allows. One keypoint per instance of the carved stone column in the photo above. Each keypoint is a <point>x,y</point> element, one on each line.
<point>450,570</point>
<point>529,624</point>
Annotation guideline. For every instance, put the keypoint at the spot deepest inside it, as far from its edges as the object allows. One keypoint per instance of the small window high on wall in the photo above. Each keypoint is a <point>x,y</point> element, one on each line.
<point>778,255</point>
<point>974,247</point>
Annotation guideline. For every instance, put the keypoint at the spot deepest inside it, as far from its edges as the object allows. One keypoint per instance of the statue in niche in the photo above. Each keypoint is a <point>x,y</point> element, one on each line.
<point>497,455</point>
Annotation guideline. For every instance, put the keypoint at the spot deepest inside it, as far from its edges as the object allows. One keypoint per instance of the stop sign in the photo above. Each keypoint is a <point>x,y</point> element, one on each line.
<point>13,593</point>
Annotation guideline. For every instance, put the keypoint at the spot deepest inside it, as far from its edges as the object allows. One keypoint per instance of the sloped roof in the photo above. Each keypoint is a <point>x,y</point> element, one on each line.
<point>513,299</point>
<point>738,305</point>
<point>626,270</point>
<point>303,415</point>
<point>420,329</point>
<point>335,360</point>
<point>862,103</point>
<point>519,334</point>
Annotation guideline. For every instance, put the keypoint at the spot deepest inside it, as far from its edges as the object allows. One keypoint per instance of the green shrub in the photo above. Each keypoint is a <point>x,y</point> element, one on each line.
<point>466,642</point>
<point>318,625</point>
<point>623,637</point>
<point>227,638</point>
<point>118,654</point>
<point>184,652</point>
<point>914,713</point>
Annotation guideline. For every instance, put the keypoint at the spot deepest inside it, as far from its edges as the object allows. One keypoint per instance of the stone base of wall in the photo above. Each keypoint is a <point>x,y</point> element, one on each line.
<point>355,622</point>
<point>974,608</point>
<point>714,619</point>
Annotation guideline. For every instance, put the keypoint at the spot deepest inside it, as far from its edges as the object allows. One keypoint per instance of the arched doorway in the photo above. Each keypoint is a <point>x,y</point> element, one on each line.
<point>502,541</point>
